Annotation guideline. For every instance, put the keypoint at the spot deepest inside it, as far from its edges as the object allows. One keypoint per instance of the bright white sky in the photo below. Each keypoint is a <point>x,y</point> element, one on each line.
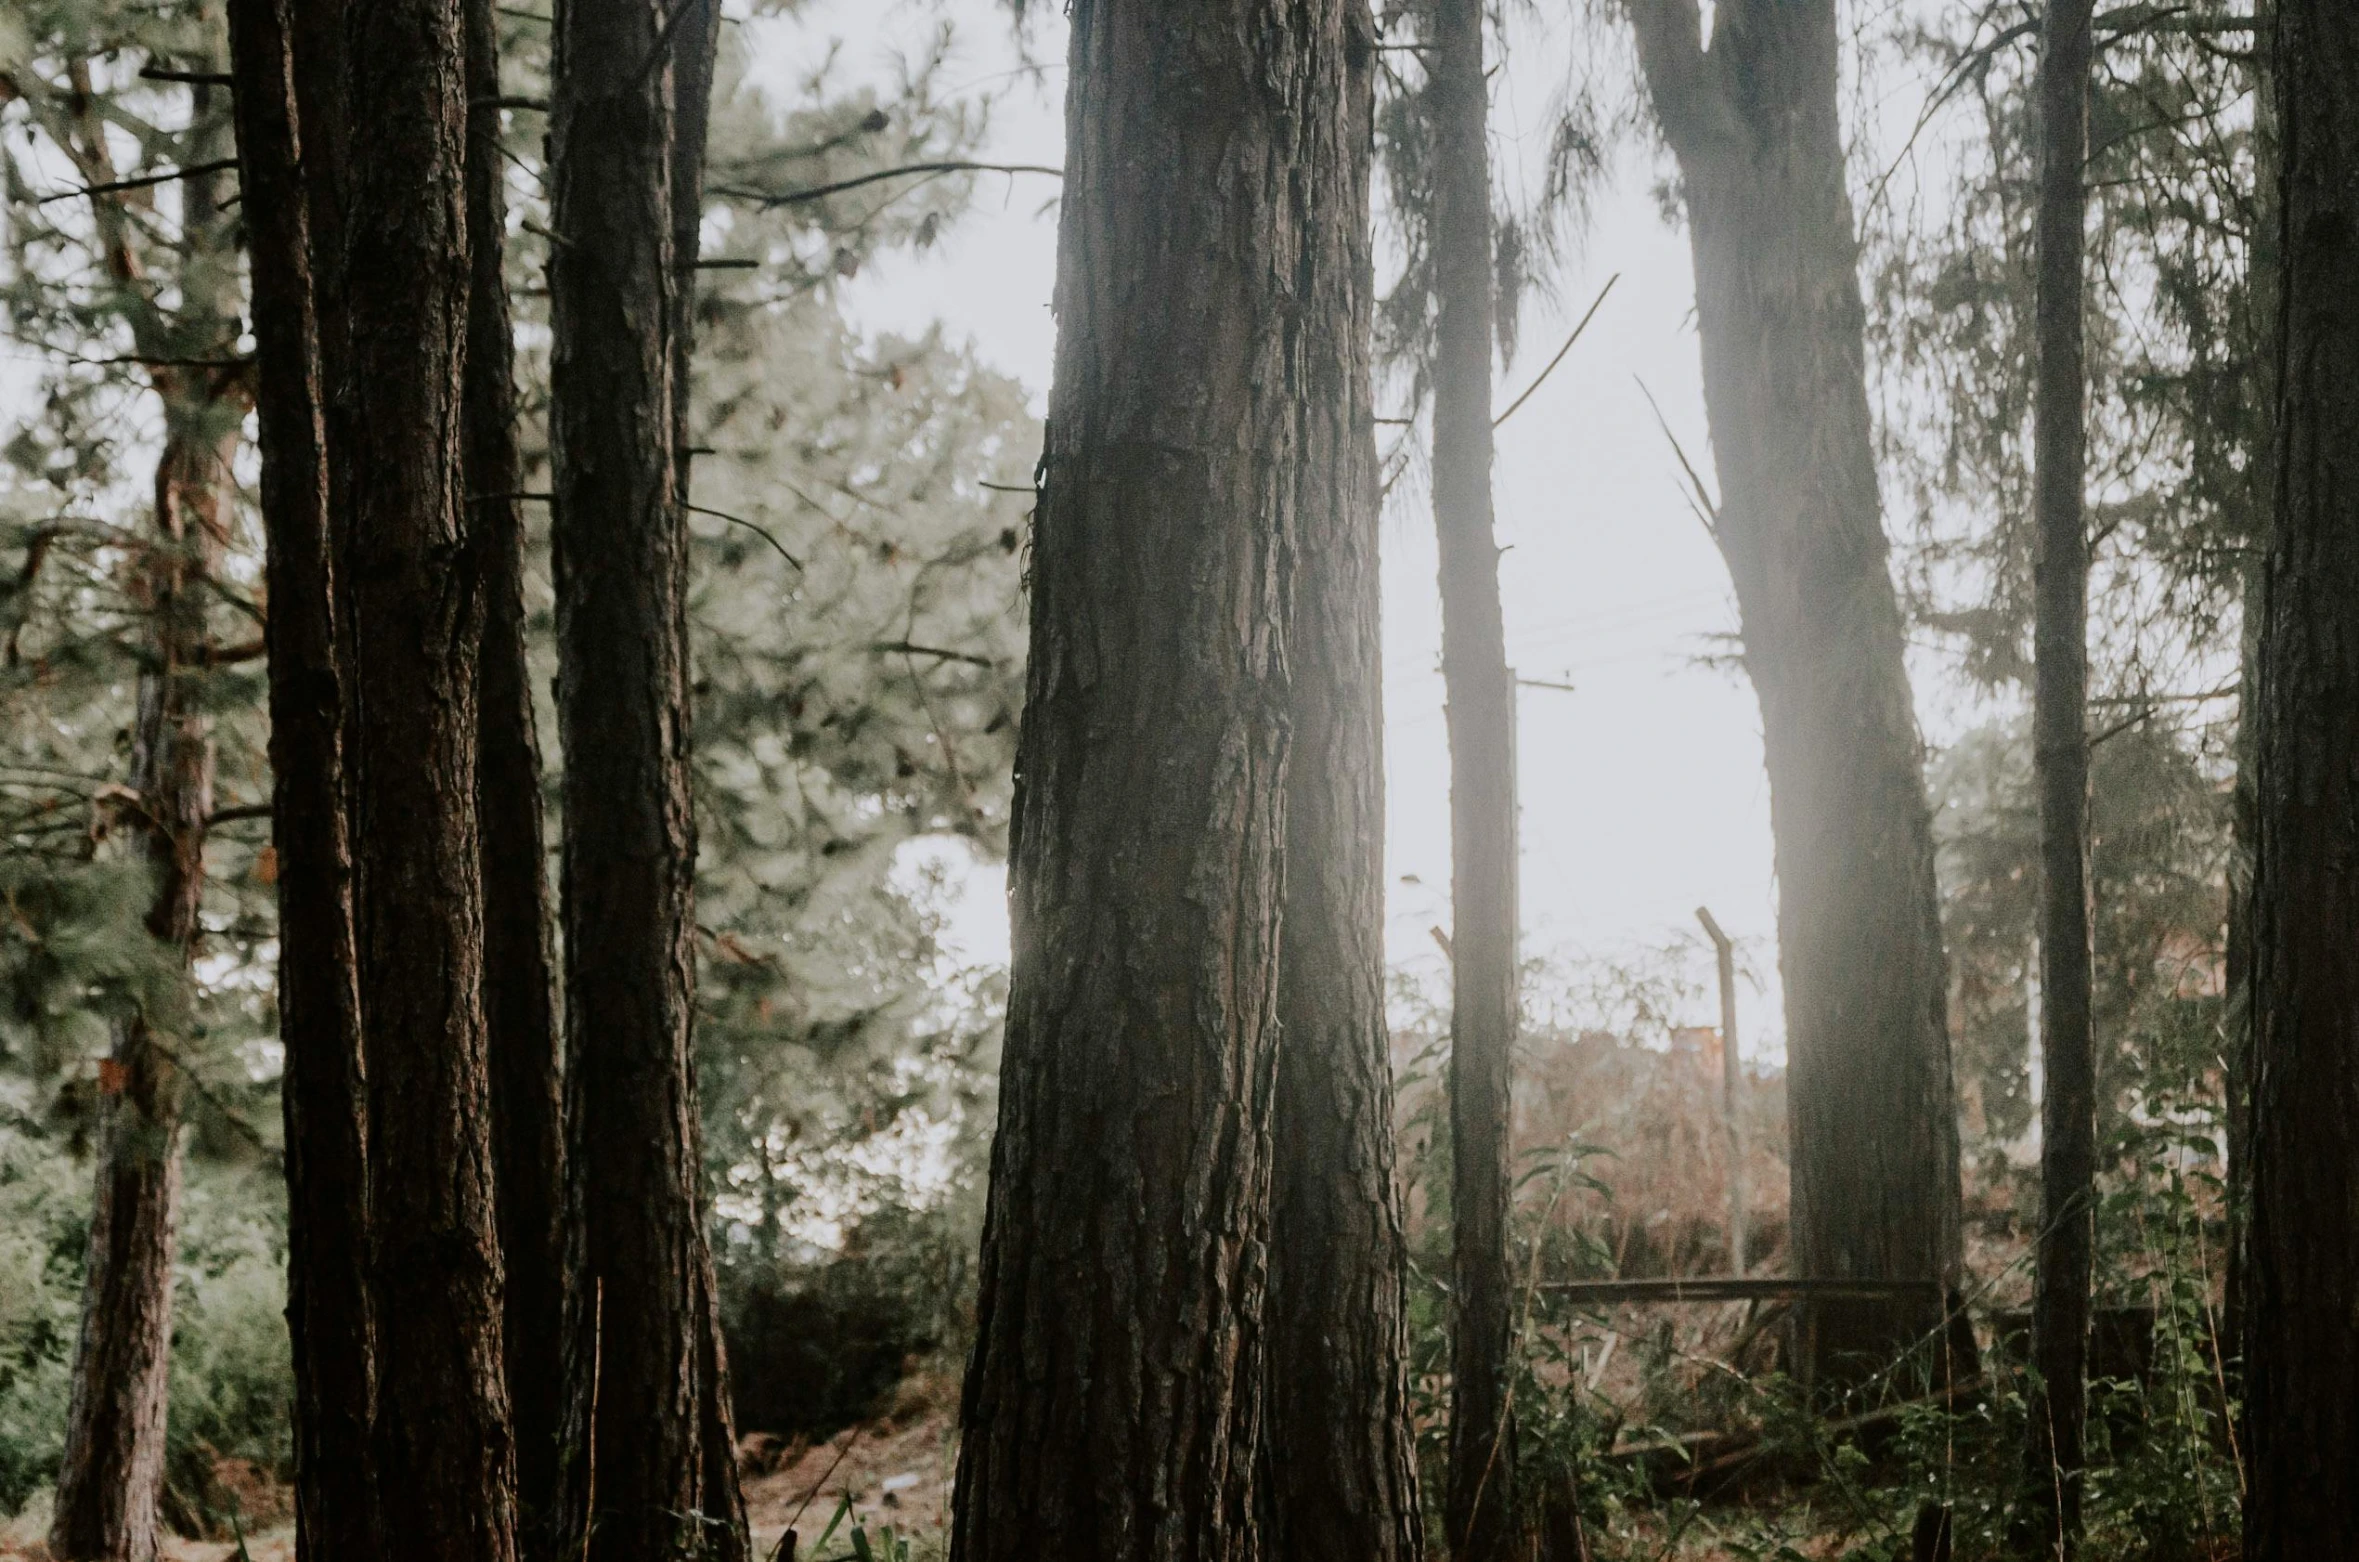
<point>1643,793</point>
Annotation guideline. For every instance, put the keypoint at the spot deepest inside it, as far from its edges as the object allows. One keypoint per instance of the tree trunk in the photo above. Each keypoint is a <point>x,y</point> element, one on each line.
<point>694,47</point>
<point>1871,1116</point>
<point>1114,1400</point>
<point>445,1464</point>
<point>113,1468</point>
<point>2261,303</point>
<point>1481,1510</point>
<point>541,1313</point>
<point>112,1472</point>
<point>630,838</point>
<point>323,1090</point>
<point>1339,1477</point>
<point>2060,570</point>
<point>2301,1352</point>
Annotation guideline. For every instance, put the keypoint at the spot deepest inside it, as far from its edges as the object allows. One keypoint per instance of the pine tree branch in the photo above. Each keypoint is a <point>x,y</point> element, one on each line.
<point>771,198</point>
<point>1560,352</point>
<point>909,648</point>
<point>144,181</point>
<point>762,532</point>
<point>187,78</point>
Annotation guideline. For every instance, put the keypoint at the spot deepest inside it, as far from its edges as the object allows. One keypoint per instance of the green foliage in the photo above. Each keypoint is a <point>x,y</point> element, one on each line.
<point>231,1374</point>
<point>232,1386</point>
<point>2157,858</point>
<point>44,1226</point>
<point>2176,330</point>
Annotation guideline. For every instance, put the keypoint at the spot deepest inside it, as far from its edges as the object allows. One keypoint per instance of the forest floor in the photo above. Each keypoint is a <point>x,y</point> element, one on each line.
<point>896,1470</point>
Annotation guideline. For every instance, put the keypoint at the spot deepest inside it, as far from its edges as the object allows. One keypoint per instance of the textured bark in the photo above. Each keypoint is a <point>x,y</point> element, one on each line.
<point>112,1472</point>
<point>2260,495</point>
<point>1114,1399</point>
<point>630,838</point>
<point>695,43</point>
<point>111,1475</point>
<point>2060,751</point>
<point>2301,1351</point>
<point>541,1312</point>
<point>1870,1106</point>
<point>1339,1481</point>
<point>323,1091</point>
<point>694,48</point>
<point>1481,1521</point>
<point>113,1469</point>
<point>444,1462</point>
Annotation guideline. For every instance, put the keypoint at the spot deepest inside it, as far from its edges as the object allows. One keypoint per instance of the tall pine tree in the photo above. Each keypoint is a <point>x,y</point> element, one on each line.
<point>2301,1354</point>
<point>1114,1396</point>
<point>1752,121</point>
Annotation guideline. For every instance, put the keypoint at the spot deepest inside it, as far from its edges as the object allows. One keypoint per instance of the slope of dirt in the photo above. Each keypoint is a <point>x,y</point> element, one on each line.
<point>896,1469</point>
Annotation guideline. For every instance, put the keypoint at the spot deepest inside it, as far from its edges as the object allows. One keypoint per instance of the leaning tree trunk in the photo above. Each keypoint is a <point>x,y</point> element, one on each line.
<point>630,837</point>
<point>113,1469</point>
<point>1114,1398</point>
<point>323,1091</point>
<point>2068,1106</point>
<point>541,1310</point>
<point>1339,1478</point>
<point>2301,1351</point>
<point>1753,124</point>
<point>444,1462</point>
<point>1481,1520</point>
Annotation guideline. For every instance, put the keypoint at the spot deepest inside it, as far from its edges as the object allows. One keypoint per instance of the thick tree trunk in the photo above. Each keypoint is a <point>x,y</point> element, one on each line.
<point>2301,1351</point>
<point>1114,1400</point>
<point>1339,1480</point>
<point>444,1462</point>
<point>1871,1115</point>
<point>1481,1520</point>
<point>112,1472</point>
<point>542,1313</point>
<point>630,838</point>
<point>323,1090</point>
<point>2068,1106</point>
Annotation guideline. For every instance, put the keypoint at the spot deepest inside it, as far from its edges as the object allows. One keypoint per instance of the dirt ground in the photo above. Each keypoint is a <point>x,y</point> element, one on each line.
<point>20,1541</point>
<point>896,1469</point>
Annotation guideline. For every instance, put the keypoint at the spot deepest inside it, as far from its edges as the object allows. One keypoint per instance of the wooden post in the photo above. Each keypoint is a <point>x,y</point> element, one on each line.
<point>1731,1083</point>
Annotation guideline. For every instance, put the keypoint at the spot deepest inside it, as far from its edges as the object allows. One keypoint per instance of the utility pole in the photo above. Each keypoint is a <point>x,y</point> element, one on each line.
<point>1730,1082</point>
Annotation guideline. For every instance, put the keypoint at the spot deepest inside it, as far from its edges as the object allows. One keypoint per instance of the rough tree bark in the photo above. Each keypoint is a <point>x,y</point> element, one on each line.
<point>2060,571</point>
<point>630,838</point>
<point>323,1092</point>
<point>1481,1521</point>
<point>111,1475</point>
<point>695,46</point>
<point>112,1472</point>
<point>1339,1477</point>
<point>2260,304</point>
<point>2301,1352</point>
<point>1753,124</point>
<point>1113,1402</point>
<point>541,1308</point>
<point>445,1466</point>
